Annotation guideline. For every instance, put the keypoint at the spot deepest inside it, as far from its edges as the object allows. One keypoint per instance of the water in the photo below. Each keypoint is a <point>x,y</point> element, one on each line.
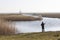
<point>51,24</point>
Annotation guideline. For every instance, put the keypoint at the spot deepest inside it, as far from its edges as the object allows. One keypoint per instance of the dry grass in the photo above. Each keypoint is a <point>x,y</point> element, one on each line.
<point>16,17</point>
<point>32,36</point>
<point>52,15</point>
<point>6,27</point>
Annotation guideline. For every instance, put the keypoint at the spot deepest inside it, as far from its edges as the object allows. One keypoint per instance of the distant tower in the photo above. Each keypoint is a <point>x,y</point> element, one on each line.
<point>42,25</point>
<point>20,12</point>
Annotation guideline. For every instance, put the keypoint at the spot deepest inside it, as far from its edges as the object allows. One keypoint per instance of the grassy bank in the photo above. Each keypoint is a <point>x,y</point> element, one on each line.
<point>32,36</point>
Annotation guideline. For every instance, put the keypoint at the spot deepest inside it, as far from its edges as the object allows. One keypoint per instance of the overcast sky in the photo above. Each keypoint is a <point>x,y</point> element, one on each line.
<point>30,5</point>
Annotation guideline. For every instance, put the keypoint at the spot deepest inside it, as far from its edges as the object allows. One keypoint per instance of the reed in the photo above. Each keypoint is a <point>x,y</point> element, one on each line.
<point>6,27</point>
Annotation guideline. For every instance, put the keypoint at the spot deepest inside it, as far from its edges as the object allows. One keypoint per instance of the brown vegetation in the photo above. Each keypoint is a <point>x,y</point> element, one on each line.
<point>52,15</point>
<point>6,19</point>
<point>16,17</point>
<point>6,27</point>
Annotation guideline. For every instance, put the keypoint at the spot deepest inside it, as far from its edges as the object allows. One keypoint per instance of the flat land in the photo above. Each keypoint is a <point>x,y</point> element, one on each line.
<point>32,36</point>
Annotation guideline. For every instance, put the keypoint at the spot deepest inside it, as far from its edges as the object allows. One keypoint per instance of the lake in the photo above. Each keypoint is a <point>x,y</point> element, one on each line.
<point>51,24</point>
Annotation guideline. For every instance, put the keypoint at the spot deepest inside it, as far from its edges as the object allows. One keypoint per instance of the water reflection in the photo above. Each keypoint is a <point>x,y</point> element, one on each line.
<point>51,24</point>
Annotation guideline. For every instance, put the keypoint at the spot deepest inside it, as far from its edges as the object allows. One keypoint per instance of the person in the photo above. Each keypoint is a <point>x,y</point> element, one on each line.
<point>42,24</point>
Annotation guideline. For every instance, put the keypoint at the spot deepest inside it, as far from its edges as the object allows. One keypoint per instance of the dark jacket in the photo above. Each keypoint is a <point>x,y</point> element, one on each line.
<point>42,24</point>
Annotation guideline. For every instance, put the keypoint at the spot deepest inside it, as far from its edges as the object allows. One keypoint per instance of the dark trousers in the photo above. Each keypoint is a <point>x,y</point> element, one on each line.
<point>42,28</point>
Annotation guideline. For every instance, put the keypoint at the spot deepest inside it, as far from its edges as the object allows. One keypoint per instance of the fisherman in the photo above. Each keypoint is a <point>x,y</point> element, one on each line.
<point>42,25</point>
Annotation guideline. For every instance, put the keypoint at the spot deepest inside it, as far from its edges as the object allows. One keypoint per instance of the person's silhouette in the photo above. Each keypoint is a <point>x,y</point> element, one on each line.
<point>42,24</point>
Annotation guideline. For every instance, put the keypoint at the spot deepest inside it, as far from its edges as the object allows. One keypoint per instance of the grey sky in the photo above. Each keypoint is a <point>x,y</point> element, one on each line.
<point>30,5</point>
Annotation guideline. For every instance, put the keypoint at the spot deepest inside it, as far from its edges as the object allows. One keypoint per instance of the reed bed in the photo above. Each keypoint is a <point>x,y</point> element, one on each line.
<point>6,27</point>
<point>20,17</point>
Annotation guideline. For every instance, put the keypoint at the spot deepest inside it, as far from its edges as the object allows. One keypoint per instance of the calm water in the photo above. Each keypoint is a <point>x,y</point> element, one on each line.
<point>51,24</point>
